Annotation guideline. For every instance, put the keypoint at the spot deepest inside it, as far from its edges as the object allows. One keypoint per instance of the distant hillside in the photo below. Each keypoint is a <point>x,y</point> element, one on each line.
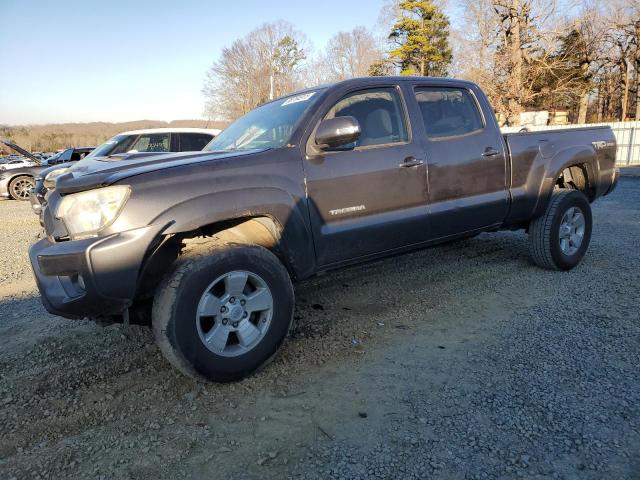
<point>51,137</point>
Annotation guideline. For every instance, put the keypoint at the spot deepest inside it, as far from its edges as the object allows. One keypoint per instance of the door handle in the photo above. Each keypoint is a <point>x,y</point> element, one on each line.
<point>490,152</point>
<point>411,162</point>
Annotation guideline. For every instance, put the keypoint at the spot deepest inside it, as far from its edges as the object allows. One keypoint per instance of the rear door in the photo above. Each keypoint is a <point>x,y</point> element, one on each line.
<point>369,196</point>
<point>466,161</point>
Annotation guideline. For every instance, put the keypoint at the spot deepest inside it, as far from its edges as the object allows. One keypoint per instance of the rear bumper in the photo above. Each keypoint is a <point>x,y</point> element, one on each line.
<point>91,277</point>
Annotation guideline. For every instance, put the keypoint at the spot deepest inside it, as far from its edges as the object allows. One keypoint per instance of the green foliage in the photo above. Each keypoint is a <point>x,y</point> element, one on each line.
<point>287,56</point>
<point>421,34</point>
<point>379,68</point>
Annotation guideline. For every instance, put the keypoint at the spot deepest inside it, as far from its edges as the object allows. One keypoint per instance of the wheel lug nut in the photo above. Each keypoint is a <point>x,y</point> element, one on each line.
<point>245,315</point>
<point>225,321</point>
<point>235,324</point>
<point>243,302</point>
<point>223,309</point>
<point>232,300</point>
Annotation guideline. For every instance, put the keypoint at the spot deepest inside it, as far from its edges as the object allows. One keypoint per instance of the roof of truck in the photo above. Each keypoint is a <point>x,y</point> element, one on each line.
<point>440,81</point>
<point>210,131</point>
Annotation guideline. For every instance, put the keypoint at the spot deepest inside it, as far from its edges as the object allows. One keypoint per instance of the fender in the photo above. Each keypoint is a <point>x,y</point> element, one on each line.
<point>290,214</point>
<point>576,155</point>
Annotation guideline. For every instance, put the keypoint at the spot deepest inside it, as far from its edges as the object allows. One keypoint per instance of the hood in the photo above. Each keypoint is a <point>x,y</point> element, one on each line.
<point>20,150</point>
<point>96,172</point>
<point>34,171</point>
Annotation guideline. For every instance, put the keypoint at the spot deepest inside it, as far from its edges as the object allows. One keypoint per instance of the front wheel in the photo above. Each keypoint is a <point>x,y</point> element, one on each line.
<point>223,311</point>
<point>559,239</point>
<point>21,186</point>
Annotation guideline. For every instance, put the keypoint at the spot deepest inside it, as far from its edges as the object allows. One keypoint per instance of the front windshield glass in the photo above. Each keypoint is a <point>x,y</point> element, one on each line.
<point>268,126</point>
<point>108,147</point>
<point>54,157</point>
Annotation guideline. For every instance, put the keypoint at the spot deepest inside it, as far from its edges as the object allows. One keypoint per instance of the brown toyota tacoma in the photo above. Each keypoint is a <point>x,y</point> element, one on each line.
<point>204,246</point>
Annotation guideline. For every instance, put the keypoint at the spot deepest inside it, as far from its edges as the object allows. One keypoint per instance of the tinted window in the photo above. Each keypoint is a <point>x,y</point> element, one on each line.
<point>193,142</point>
<point>380,115</point>
<point>448,111</point>
<point>78,155</point>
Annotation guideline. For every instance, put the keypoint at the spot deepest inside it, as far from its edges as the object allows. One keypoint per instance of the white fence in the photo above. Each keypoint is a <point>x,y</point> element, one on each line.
<point>627,137</point>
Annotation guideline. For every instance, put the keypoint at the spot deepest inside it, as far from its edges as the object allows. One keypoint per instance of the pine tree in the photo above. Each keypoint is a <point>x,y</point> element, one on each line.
<point>421,34</point>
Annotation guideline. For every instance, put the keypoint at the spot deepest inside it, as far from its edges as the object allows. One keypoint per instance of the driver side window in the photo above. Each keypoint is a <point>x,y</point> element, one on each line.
<point>380,113</point>
<point>152,143</point>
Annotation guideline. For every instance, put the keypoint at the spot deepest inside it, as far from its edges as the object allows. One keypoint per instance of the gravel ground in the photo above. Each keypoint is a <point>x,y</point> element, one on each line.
<point>463,362</point>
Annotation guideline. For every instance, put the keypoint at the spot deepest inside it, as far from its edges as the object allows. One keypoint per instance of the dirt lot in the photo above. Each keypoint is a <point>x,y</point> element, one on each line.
<point>463,361</point>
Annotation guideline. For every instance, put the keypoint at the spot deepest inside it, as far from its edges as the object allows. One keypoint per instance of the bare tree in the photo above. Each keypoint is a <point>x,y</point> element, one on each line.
<point>351,54</point>
<point>265,63</point>
<point>625,37</point>
<point>591,30</point>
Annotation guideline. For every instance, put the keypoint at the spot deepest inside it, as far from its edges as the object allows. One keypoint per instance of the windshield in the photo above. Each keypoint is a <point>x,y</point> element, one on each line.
<point>268,126</point>
<point>107,147</point>
<point>53,158</point>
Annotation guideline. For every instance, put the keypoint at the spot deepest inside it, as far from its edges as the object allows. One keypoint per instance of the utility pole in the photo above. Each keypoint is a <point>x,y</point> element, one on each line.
<point>271,81</point>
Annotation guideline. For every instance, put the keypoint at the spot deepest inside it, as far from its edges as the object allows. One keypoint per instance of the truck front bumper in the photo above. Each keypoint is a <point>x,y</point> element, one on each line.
<point>92,277</point>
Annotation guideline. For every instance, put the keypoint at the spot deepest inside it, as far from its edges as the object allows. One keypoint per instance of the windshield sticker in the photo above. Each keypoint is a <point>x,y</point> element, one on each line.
<point>298,98</point>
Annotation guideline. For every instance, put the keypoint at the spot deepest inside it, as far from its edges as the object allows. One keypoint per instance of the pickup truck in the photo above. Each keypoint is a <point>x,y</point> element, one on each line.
<point>205,246</point>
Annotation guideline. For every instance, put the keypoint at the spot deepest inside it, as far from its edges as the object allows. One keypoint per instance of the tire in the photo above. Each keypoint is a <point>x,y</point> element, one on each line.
<point>553,236</point>
<point>190,288</point>
<point>19,187</point>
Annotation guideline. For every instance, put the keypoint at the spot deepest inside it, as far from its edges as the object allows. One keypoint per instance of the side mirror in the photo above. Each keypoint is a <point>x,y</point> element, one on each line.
<point>338,131</point>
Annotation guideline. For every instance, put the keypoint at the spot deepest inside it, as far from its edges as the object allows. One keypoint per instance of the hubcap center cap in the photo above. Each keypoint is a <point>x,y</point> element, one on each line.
<point>236,312</point>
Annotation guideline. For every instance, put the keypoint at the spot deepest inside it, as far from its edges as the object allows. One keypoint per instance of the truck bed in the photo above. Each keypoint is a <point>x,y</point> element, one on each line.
<point>534,155</point>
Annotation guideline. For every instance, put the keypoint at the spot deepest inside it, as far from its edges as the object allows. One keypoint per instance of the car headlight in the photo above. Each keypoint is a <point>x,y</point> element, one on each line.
<point>50,179</point>
<point>85,214</point>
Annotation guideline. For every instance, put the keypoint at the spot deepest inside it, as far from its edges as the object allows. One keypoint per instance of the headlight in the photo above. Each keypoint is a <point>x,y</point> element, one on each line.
<point>50,179</point>
<point>86,213</point>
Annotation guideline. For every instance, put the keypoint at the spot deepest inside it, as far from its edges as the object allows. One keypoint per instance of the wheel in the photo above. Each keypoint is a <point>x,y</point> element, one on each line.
<point>223,310</point>
<point>21,186</point>
<point>559,239</point>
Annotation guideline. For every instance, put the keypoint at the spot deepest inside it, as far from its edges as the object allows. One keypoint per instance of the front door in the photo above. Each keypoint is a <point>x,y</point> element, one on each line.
<point>369,196</point>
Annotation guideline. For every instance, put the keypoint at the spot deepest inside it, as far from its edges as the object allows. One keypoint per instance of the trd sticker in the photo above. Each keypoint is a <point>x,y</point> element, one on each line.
<point>601,145</point>
<point>342,211</point>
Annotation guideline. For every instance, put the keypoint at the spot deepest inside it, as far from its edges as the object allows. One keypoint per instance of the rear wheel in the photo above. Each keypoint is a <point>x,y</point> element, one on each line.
<point>560,238</point>
<point>223,311</point>
<point>21,186</point>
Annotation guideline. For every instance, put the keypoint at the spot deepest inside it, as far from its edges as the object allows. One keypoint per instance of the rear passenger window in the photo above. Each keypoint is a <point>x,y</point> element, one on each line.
<point>448,112</point>
<point>193,142</point>
<point>380,114</point>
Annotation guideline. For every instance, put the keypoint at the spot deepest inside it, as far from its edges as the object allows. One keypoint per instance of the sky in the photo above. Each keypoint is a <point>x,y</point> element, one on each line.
<point>118,60</point>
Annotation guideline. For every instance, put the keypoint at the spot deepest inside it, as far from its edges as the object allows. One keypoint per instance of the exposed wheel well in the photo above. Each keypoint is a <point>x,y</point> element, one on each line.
<point>20,175</point>
<point>263,231</point>
<point>576,177</point>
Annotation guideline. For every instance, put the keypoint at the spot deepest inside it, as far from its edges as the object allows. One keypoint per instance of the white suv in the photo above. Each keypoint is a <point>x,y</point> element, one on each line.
<point>156,140</point>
